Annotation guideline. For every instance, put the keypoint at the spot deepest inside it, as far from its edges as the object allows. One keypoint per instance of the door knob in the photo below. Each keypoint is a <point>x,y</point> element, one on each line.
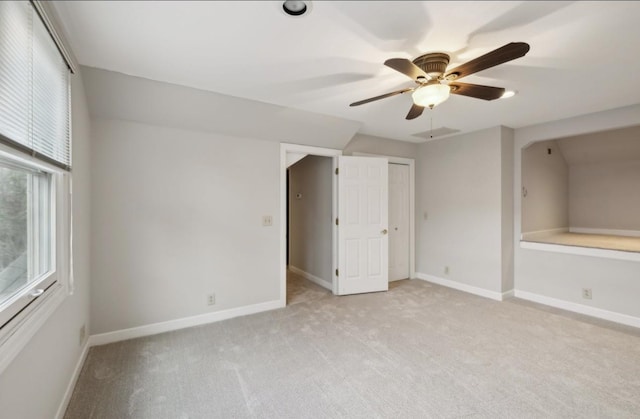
<point>384,231</point>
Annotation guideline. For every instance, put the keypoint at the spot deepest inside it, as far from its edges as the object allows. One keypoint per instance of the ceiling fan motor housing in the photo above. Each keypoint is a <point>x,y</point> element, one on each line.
<point>434,64</point>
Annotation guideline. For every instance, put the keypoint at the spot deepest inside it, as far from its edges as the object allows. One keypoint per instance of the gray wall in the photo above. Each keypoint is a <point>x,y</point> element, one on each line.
<point>605,195</point>
<point>33,385</point>
<point>604,179</point>
<point>178,215</point>
<point>546,179</point>
<point>459,187</point>
<point>383,146</point>
<point>184,177</point>
<point>310,216</point>
<point>507,145</point>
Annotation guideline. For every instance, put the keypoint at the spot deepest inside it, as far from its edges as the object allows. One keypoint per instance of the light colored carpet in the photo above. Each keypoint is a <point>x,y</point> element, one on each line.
<point>300,290</point>
<point>599,241</point>
<point>417,351</point>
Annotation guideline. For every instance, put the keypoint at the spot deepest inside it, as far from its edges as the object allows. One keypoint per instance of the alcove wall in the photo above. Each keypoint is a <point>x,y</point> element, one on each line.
<point>588,184</point>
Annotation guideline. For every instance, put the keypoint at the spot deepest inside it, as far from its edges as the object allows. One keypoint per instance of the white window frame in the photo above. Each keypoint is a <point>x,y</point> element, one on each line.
<point>17,333</point>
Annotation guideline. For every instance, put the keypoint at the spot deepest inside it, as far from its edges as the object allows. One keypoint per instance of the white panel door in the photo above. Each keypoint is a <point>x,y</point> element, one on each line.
<point>363,240</point>
<point>398,221</point>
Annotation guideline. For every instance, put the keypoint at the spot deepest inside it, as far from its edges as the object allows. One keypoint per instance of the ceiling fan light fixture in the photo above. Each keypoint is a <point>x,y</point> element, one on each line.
<point>507,94</point>
<point>431,95</point>
<point>294,7</point>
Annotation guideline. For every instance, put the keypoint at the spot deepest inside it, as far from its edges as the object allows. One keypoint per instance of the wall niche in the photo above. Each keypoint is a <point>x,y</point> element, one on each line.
<point>583,190</point>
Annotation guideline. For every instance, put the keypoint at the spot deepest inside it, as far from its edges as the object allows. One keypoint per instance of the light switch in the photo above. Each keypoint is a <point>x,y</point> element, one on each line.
<point>267,221</point>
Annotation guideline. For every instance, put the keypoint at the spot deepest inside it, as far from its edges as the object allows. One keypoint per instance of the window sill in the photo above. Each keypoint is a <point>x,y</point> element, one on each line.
<point>27,324</point>
<point>584,251</point>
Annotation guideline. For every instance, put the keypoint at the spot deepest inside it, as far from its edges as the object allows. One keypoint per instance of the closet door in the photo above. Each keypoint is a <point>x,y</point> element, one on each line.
<point>398,221</point>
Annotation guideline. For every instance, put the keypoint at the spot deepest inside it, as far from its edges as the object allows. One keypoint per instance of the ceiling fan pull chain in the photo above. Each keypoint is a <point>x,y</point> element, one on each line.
<point>431,132</point>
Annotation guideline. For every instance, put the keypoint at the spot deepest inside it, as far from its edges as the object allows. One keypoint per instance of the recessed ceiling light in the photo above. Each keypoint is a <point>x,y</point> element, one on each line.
<point>507,94</point>
<point>294,8</point>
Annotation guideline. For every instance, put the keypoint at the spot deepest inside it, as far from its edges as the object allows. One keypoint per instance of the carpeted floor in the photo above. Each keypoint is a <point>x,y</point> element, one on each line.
<point>417,351</point>
<point>301,290</point>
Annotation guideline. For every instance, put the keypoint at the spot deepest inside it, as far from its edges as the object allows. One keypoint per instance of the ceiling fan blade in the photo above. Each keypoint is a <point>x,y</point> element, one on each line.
<point>371,99</point>
<point>501,55</point>
<point>477,90</point>
<point>415,111</point>
<point>406,67</point>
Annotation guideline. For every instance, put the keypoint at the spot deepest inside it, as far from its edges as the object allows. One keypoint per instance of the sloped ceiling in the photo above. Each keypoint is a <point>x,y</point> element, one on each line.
<point>602,147</point>
<point>582,60</point>
<point>119,96</point>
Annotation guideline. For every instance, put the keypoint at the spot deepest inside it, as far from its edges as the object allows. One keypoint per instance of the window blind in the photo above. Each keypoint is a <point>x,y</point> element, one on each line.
<point>34,86</point>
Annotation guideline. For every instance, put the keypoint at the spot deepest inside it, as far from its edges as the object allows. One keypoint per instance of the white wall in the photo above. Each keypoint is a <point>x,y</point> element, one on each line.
<point>459,186</point>
<point>559,276</point>
<point>178,215</point>
<point>546,179</point>
<point>310,216</point>
<point>34,383</point>
<point>362,143</point>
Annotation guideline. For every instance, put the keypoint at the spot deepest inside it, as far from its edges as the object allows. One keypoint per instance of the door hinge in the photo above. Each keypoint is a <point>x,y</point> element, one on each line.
<point>337,222</point>
<point>337,170</point>
<point>337,273</point>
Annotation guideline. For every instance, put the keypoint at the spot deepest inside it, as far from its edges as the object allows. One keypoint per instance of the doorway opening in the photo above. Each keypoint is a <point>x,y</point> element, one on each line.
<point>309,228</point>
<point>290,155</point>
<point>359,221</point>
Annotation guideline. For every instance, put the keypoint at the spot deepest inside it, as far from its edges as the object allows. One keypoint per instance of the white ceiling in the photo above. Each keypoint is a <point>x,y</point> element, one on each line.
<point>583,57</point>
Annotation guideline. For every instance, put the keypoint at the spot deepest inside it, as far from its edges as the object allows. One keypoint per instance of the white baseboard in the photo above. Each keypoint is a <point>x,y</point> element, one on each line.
<point>155,328</point>
<point>605,231</point>
<point>508,294</point>
<point>462,287</point>
<point>310,277</point>
<point>579,308</point>
<point>72,383</point>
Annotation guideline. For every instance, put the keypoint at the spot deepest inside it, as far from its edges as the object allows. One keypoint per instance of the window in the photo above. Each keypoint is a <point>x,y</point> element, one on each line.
<point>25,236</point>
<point>35,165</point>
<point>34,87</point>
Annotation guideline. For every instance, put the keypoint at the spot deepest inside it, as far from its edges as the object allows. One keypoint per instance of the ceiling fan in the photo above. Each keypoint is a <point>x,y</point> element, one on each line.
<point>435,83</point>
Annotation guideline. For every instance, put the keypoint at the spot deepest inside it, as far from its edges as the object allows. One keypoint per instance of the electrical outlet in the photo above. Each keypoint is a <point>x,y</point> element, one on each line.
<point>586,293</point>
<point>267,221</point>
<point>446,270</point>
<point>211,299</point>
<point>83,334</point>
